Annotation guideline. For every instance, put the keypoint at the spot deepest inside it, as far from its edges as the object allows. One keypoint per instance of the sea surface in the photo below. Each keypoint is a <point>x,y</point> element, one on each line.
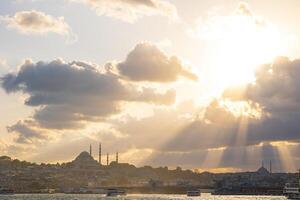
<point>131,197</point>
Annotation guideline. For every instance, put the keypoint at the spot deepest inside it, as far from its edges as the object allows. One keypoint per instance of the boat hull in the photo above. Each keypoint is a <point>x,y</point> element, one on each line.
<point>115,192</point>
<point>293,196</point>
<point>193,193</point>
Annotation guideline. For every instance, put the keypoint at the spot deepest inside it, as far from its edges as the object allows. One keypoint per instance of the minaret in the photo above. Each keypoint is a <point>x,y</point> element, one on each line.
<point>90,149</point>
<point>271,166</point>
<point>117,157</point>
<point>299,177</point>
<point>100,154</point>
<point>107,159</point>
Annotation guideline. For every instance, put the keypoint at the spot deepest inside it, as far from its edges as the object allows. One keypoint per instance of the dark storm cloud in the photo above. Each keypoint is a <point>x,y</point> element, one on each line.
<point>68,94</point>
<point>148,63</point>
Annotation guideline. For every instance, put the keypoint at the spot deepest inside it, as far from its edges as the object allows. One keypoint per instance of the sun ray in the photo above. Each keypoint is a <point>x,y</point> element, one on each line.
<point>213,157</point>
<point>286,159</point>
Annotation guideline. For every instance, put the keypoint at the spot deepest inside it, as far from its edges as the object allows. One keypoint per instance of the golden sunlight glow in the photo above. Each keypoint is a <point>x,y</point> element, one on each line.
<point>218,170</point>
<point>137,156</point>
<point>285,143</point>
<point>242,108</point>
<point>213,157</point>
<point>284,152</point>
<point>241,43</point>
<point>243,48</point>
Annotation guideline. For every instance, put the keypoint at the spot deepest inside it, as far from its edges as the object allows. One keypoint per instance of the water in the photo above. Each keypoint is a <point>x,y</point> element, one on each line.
<point>132,197</point>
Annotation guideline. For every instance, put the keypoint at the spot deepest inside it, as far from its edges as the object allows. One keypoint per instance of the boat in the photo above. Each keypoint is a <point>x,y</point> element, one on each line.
<point>4,191</point>
<point>113,192</point>
<point>193,193</point>
<point>292,191</point>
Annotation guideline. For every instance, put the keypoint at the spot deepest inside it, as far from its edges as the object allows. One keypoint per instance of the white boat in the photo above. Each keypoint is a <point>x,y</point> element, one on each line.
<point>114,192</point>
<point>292,192</point>
<point>193,193</point>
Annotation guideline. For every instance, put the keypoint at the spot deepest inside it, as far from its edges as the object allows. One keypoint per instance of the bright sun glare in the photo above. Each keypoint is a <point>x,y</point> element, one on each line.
<point>243,48</point>
<point>242,42</point>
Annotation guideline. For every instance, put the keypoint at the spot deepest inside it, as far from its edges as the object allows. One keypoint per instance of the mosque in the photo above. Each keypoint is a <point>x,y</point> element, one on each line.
<point>263,171</point>
<point>86,160</point>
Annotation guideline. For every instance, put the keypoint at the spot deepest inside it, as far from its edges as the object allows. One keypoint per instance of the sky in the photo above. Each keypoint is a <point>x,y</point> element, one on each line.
<point>207,85</point>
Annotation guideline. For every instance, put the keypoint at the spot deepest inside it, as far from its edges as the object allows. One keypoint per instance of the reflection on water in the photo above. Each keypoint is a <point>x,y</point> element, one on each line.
<point>131,197</point>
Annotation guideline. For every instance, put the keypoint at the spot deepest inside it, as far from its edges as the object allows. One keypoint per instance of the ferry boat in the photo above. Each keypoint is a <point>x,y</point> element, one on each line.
<point>292,192</point>
<point>193,193</point>
<point>114,192</point>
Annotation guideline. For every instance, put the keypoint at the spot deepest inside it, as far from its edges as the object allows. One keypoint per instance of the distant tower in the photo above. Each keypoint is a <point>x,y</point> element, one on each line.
<point>262,164</point>
<point>90,149</point>
<point>107,159</point>
<point>117,157</point>
<point>270,166</point>
<point>100,153</point>
<point>299,177</point>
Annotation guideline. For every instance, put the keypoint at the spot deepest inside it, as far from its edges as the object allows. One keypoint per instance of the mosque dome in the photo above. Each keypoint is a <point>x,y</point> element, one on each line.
<point>262,171</point>
<point>85,159</point>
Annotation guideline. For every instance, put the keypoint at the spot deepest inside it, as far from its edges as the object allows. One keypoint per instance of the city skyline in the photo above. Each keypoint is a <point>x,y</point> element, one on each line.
<point>88,154</point>
<point>204,85</point>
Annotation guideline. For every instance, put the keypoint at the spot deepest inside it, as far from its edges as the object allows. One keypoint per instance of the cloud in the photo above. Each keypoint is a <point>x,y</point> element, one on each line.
<point>4,67</point>
<point>220,128</point>
<point>67,95</point>
<point>161,126</point>
<point>148,63</point>
<point>243,9</point>
<point>217,128</point>
<point>224,138</point>
<point>215,27</point>
<point>26,135</point>
<point>275,88</point>
<point>131,10</point>
<point>220,139</point>
<point>274,95</point>
<point>37,22</point>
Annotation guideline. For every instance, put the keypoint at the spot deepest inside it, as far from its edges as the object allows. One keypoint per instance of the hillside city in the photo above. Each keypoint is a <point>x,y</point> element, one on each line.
<point>86,175</point>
